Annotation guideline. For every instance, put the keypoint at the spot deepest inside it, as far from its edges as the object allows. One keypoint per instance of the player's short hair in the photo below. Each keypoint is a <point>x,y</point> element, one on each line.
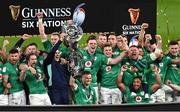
<point>86,72</point>
<point>32,44</point>
<point>13,51</point>
<point>138,77</point>
<point>123,35</point>
<point>173,42</point>
<point>101,34</point>
<point>56,34</point>
<point>29,55</point>
<point>139,47</point>
<point>112,33</point>
<point>107,44</point>
<point>91,37</point>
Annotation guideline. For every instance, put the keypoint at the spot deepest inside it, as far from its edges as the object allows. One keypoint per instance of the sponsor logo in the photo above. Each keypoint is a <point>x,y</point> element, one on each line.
<point>88,64</point>
<point>108,68</point>
<point>138,99</point>
<point>134,15</point>
<point>134,28</point>
<point>38,76</point>
<point>52,17</point>
<point>15,10</point>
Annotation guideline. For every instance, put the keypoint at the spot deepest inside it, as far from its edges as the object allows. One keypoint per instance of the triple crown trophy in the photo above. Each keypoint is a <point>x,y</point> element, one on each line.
<point>74,34</point>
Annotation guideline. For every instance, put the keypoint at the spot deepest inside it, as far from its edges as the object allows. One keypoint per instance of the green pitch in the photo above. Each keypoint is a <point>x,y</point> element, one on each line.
<point>168,24</point>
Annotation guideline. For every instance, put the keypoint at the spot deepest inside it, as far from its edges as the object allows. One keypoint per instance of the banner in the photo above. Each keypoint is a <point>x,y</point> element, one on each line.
<point>120,16</point>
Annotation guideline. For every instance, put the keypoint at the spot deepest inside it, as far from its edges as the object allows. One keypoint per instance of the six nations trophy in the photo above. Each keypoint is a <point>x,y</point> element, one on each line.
<point>74,33</point>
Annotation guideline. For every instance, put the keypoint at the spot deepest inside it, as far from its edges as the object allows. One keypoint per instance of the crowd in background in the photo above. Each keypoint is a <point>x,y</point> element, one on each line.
<point>114,71</point>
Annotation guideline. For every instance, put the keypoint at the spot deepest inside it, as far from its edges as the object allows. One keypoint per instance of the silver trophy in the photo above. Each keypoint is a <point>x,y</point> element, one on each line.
<point>74,34</point>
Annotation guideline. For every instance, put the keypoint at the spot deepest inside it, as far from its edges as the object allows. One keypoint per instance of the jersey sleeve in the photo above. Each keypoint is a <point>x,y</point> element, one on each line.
<point>5,70</point>
<point>127,93</point>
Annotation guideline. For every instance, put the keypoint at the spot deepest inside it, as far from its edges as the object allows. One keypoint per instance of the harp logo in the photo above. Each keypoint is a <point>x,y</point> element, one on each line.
<point>15,10</point>
<point>134,14</point>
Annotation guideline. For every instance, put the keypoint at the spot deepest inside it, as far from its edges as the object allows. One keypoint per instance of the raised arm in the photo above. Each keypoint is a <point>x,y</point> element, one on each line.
<point>120,85</point>
<point>41,26</point>
<point>157,85</point>
<point>121,56</point>
<point>51,54</point>
<point>20,41</point>
<point>4,50</point>
<point>175,87</point>
<point>158,41</point>
<point>22,76</point>
<point>142,32</point>
<point>72,83</point>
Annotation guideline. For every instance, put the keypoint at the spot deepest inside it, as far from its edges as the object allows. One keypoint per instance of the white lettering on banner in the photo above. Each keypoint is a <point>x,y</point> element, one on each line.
<point>32,24</point>
<point>55,23</point>
<point>53,17</point>
<point>131,29</point>
<point>28,24</point>
<point>48,12</point>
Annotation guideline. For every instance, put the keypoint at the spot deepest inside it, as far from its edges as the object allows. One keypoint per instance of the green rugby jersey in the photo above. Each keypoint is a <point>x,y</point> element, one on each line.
<point>84,95</point>
<point>139,98</point>
<point>173,72</point>
<point>116,52</point>
<point>109,74</point>
<point>13,73</point>
<point>94,61</point>
<point>35,83</point>
<point>1,80</point>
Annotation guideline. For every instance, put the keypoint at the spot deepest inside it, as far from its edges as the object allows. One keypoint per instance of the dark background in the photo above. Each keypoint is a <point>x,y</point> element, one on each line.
<point>101,15</point>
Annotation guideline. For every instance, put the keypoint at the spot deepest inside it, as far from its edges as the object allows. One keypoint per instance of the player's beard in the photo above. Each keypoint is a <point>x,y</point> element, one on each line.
<point>33,64</point>
<point>14,61</point>
<point>91,49</point>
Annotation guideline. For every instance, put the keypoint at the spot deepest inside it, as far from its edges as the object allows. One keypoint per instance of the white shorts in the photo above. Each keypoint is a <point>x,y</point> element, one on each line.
<point>39,99</point>
<point>17,98</point>
<point>3,99</point>
<point>97,94</point>
<point>158,96</point>
<point>110,96</point>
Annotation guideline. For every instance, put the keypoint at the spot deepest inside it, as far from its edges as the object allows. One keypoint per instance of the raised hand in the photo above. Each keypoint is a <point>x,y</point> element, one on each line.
<point>124,68</point>
<point>148,36</point>
<point>158,37</point>
<point>5,43</point>
<point>145,25</point>
<point>155,69</point>
<point>26,36</point>
<point>39,15</point>
<point>33,70</point>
